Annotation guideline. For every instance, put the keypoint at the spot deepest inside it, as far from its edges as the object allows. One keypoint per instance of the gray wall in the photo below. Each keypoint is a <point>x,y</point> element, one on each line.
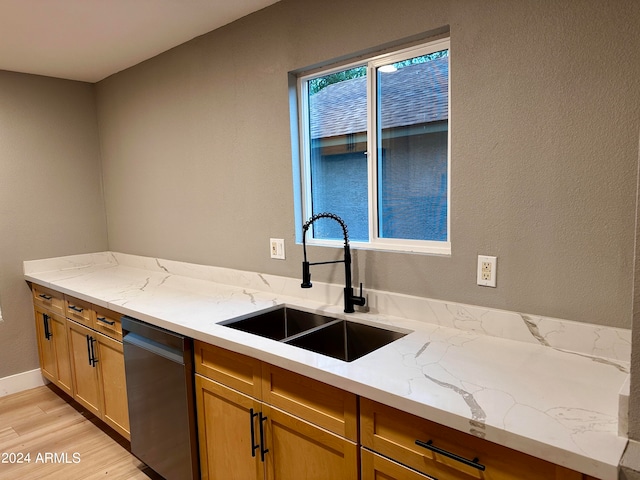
<point>197,162</point>
<point>544,119</point>
<point>634,395</point>
<point>51,200</point>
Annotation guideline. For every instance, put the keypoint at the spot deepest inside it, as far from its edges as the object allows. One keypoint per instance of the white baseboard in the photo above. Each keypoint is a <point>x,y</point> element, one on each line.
<point>630,462</point>
<point>21,381</point>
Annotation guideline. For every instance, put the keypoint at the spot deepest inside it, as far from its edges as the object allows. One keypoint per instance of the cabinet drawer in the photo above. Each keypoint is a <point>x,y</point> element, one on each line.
<point>393,433</point>
<point>376,467</point>
<point>228,368</point>
<point>50,299</point>
<point>319,403</point>
<point>78,310</point>
<point>107,322</point>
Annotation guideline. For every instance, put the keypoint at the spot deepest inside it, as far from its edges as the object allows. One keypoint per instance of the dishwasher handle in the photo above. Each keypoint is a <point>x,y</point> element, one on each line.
<point>154,347</point>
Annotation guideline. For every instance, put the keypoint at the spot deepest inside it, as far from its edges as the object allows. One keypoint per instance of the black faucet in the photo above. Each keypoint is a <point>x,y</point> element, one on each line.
<point>349,298</point>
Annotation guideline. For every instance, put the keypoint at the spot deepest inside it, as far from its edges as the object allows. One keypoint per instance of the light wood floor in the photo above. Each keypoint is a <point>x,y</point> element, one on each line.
<point>45,421</point>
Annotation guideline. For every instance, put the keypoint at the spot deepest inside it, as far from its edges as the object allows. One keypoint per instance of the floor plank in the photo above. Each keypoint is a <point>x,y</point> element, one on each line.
<point>62,439</point>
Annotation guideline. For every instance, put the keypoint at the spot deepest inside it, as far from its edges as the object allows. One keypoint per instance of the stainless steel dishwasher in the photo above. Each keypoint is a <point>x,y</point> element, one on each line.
<point>159,372</point>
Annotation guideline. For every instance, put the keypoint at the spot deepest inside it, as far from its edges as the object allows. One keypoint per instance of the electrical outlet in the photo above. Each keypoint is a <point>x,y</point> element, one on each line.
<point>277,248</point>
<point>487,270</point>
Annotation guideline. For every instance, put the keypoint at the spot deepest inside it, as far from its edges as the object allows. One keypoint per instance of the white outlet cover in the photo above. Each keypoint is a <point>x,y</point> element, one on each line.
<point>276,248</point>
<point>493,266</point>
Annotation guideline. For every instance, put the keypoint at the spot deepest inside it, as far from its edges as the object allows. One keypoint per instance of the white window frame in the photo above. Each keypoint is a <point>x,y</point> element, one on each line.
<point>375,242</point>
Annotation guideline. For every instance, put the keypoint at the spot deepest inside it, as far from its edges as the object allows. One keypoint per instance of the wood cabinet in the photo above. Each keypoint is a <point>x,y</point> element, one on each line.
<point>445,453</point>
<point>257,421</point>
<point>48,299</point>
<point>228,432</point>
<point>113,385</point>
<point>377,467</point>
<point>98,376</point>
<point>299,449</point>
<point>80,349</point>
<point>78,310</point>
<point>82,345</point>
<point>107,322</point>
<point>53,349</point>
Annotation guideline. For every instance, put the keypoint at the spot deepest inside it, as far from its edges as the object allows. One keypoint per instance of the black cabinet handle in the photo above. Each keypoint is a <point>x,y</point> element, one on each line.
<point>104,320</point>
<point>471,463</point>
<point>262,449</point>
<point>47,332</point>
<point>94,360</point>
<point>254,447</point>
<point>46,297</point>
<point>90,351</point>
<point>76,309</point>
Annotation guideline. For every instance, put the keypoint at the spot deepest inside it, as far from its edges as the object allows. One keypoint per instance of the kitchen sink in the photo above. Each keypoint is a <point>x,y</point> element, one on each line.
<point>337,338</point>
<point>346,340</point>
<point>280,324</point>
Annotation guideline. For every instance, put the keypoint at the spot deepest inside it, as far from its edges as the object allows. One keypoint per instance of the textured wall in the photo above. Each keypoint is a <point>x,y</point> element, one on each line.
<point>634,394</point>
<point>544,121</point>
<point>51,200</point>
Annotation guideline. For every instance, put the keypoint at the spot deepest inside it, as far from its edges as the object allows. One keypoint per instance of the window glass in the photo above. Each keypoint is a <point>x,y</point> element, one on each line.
<point>338,137</point>
<point>375,150</point>
<point>412,120</point>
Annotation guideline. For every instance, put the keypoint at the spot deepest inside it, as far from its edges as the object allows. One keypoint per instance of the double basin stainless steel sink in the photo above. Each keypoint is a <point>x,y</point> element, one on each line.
<point>334,337</point>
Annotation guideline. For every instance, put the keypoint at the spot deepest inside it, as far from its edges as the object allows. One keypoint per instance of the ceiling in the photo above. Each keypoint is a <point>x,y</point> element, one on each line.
<point>89,40</point>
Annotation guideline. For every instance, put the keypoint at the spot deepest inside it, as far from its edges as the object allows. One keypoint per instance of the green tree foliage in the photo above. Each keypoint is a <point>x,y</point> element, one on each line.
<point>317,84</point>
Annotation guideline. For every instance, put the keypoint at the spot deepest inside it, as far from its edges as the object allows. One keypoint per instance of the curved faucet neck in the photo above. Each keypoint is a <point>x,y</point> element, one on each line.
<point>318,216</point>
<point>349,299</point>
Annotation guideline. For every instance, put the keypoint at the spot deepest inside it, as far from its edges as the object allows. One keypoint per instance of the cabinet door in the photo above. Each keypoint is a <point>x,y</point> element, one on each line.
<point>228,430</point>
<point>58,326</point>
<point>375,467</point>
<point>85,372</point>
<point>51,332</point>
<point>298,449</point>
<point>46,347</point>
<point>393,433</point>
<point>110,357</point>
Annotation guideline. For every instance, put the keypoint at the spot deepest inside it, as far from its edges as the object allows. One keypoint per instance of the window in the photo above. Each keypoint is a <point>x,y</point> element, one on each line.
<point>374,149</point>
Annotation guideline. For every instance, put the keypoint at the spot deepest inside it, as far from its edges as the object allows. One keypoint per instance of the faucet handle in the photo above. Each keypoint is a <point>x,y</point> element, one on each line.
<point>359,300</point>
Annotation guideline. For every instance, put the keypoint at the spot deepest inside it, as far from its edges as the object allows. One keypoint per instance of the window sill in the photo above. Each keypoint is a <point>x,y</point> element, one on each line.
<point>433,248</point>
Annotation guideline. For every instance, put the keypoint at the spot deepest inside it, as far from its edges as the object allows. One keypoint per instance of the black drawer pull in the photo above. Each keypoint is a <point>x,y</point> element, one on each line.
<point>104,320</point>
<point>89,350</point>
<point>47,332</point>
<point>254,447</point>
<point>262,449</point>
<point>94,359</point>
<point>471,463</point>
<point>46,297</point>
<point>91,353</point>
<point>76,309</point>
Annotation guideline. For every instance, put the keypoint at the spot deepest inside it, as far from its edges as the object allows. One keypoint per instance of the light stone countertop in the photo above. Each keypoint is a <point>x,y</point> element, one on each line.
<point>540,399</point>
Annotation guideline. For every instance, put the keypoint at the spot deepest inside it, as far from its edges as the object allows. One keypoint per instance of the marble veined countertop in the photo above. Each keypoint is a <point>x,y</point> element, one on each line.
<point>532,394</point>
